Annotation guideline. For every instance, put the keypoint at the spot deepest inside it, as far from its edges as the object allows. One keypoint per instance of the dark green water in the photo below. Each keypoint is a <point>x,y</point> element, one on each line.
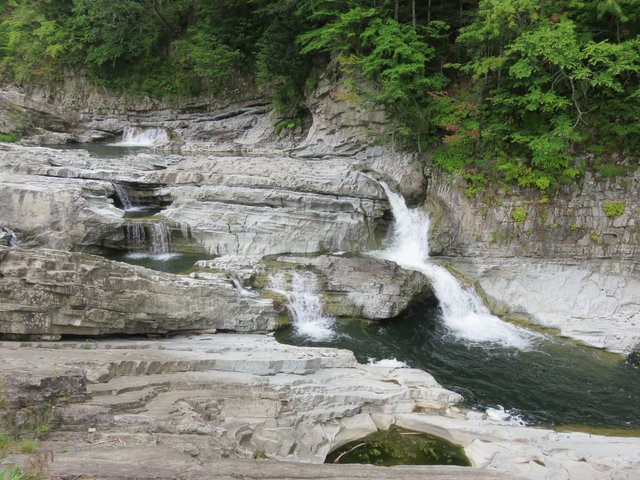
<point>173,263</point>
<point>103,150</point>
<point>557,383</point>
<point>397,446</point>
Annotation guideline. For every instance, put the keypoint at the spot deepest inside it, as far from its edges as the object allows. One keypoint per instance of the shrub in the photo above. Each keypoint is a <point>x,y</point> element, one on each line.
<point>519,215</point>
<point>9,137</point>
<point>613,209</point>
<point>609,171</point>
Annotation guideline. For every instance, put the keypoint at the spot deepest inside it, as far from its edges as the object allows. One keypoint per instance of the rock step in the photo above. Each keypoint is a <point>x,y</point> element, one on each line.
<point>158,462</point>
<point>127,401</point>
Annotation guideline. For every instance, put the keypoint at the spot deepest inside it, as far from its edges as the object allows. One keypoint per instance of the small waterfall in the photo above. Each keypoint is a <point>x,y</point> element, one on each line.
<point>123,196</point>
<point>8,237</point>
<point>462,310</point>
<point>242,290</point>
<point>305,304</point>
<point>139,234</point>
<point>160,239</point>
<point>136,236</point>
<point>143,137</point>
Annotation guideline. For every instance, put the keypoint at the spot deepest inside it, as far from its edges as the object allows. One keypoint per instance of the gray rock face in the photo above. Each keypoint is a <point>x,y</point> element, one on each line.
<point>571,225</point>
<point>227,204</point>
<point>366,287</point>
<point>214,402</point>
<point>262,205</point>
<point>51,293</point>
<point>62,214</point>
<point>596,303</point>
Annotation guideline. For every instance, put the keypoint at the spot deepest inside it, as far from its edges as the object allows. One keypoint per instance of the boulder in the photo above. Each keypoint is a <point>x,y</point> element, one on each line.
<point>58,213</point>
<point>50,293</point>
<point>365,286</point>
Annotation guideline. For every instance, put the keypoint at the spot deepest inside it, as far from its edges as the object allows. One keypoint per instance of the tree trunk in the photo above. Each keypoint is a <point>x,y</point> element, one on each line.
<point>397,5</point>
<point>413,13</point>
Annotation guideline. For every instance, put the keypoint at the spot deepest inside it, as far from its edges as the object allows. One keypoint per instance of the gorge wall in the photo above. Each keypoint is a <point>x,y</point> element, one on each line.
<point>313,189</point>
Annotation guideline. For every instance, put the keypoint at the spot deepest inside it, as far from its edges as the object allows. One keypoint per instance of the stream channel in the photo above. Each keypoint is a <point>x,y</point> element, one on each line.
<point>547,381</point>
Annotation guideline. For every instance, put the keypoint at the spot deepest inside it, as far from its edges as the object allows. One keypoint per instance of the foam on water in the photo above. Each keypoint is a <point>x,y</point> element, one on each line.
<point>242,290</point>
<point>463,312</point>
<point>500,415</point>
<point>163,257</point>
<point>305,304</point>
<point>142,137</point>
<point>386,363</point>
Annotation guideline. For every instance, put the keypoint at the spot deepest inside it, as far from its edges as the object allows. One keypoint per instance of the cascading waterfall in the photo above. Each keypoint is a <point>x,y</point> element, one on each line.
<point>462,310</point>
<point>143,137</point>
<point>305,304</point>
<point>242,290</point>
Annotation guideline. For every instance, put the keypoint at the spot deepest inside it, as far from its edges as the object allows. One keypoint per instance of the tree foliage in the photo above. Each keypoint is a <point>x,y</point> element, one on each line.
<point>495,89</point>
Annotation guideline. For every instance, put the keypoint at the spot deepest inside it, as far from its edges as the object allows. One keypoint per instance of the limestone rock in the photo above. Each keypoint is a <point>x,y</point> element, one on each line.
<point>208,405</point>
<point>572,224</point>
<point>595,302</point>
<point>364,286</point>
<point>226,204</point>
<point>52,293</point>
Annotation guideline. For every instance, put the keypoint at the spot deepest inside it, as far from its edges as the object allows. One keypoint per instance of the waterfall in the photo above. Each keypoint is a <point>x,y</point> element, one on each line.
<point>136,236</point>
<point>143,137</point>
<point>463,312</point>
<point>305,304</point>
<point>123,196</point>
<point>8,237</point>
<point>242,290</point>
<point>160,238</point>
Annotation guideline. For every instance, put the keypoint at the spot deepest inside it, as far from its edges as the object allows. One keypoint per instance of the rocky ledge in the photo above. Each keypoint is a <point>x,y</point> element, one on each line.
<point>49,293</point>
<point>186,407</point>
<point>595,302</point>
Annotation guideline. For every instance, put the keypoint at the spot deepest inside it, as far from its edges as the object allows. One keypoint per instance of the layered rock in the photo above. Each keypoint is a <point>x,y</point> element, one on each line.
<point>51,293</point>
<point>60,214</point>
<point>211,402</point>
<point>262,205</point>
<point>571,225</point>
<point>596,303</point>
<point>366,287</point>
<point>227,204</point>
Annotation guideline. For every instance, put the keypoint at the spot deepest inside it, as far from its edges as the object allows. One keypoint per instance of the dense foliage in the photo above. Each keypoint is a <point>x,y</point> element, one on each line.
<point>499,89</point>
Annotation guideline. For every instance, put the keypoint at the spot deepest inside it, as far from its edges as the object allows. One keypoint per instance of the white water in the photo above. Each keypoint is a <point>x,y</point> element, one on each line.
<point>242,290</point>
<point>12,238</point>
<point>143,137</point>
<point>305,304</point>
<point>500,415</point>
<point>160,241</point>
<point>136,235</point>
<point>463,312</point>
<point>386,363</point>
<point>123,196</point>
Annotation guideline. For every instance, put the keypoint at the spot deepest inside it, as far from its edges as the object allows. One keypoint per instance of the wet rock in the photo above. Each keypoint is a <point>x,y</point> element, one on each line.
<point>596,302</point>
<point>51,293</point>
<point>633,358</point>
<point>210,406</point>
<point>8,238</point>
<point>367,287</point>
